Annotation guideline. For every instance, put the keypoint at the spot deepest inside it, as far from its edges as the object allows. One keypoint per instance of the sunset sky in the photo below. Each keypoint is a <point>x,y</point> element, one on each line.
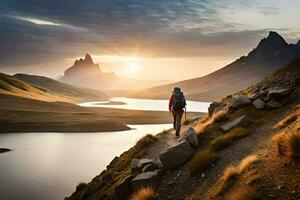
<point>144,39</point>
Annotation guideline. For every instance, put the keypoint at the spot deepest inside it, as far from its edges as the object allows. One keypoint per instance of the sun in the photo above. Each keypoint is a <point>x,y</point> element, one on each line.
<point>134,67</point>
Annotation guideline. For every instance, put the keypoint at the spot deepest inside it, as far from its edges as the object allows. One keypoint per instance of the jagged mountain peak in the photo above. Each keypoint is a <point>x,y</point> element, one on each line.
<point>273,41</point>
<point>88,59</point>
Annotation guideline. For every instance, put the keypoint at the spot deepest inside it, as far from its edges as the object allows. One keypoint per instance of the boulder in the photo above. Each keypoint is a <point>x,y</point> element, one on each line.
<point>144,179</point>
<point>191,137</point>
<point>279,93</point>
<point>273,104</point>
<point>150,167</point>
<point>176,155</point>
<point>122,190</point>
<point>239,101</point>
<point>259,104</point>
<point>241,121</point>
<point>134,166</point>
<point>215,106</point>
<point>143,162</point>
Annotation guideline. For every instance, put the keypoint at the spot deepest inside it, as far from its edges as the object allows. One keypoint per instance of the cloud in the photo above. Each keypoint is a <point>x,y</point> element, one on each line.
<point>34,31</point>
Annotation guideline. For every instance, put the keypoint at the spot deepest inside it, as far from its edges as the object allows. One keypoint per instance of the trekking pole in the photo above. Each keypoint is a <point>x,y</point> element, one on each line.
<point>185,113</point>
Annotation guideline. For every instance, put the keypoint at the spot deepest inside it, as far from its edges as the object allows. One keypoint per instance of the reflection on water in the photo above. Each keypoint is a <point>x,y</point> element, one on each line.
<point>49,165</point>
<point>146,104</point>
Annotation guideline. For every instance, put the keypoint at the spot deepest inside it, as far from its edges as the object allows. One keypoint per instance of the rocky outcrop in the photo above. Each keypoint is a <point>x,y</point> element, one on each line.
<point>122,190</point>
<point>214,107</point>
<point>279,93</point>
<point>259,104</point>
<point>4,150</point>
<point>241,121</point>
<point>191,137</point>
<point>176,155</point>
<point>144,179</point>
<point>239,101</point>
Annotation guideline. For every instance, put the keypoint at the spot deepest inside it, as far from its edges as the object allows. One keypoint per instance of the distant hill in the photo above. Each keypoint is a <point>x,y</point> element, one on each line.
<point>85,73</point>
<point>271,53</point>
<point>62,88</point>
<point>10,85</point>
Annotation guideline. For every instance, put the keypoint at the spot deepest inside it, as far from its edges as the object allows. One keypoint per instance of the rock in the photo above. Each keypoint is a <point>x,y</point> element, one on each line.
<point>191,137</point>
<point>106,178</point>
<point>134,166</point>
<point>259,104</point>
<point>239,101</point>
<point>279,93</point>
<point>215,106</point>
<point>96,185</point>
<point>143,162</point>
<point>273,104</point>
<point>297,80</point>
<point>144,179</point>
<point>150,167</point>
<point>176,155</point>
<point>4,150</point>
<point>242,121</point>
<point>122,190</point>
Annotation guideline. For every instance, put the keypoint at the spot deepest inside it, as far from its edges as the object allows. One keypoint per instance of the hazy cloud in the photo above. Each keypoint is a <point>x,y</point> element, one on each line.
<point>34,31</point>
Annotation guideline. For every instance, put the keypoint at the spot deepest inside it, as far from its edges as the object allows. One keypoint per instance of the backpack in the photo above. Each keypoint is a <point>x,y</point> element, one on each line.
<point>178,101</point>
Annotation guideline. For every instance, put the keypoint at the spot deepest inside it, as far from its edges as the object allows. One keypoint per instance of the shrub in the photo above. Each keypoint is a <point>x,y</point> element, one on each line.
<point>227,139</point>
<point>288,144</point>
<point>80,186</point>
<point>202,160</point>
<point>187,121</point>
<point>143,194</point>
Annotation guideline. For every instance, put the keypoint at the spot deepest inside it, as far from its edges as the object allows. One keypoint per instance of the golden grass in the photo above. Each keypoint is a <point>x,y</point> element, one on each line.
<point>228,139</point>
<point>288,144</point>
<point>204,123</point>
<point>202,160</point>
<point>286,121</point>
<point>146,193</point>
<point>232,172</point>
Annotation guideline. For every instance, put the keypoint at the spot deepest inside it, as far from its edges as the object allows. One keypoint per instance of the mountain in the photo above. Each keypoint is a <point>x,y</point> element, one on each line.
<point>81,94</point>
<point>85,73</point>
<point>270,54</point>
<point>242,151</point>
<point>10,85</point>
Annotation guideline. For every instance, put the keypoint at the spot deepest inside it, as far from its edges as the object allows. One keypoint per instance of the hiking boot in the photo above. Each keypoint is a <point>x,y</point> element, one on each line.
<point>177,134</point>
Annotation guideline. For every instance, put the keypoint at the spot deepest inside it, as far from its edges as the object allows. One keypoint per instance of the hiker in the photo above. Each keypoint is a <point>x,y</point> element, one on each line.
<point>177,105</point>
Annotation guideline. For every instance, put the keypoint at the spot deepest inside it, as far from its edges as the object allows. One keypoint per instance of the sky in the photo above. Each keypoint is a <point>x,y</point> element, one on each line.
<point>143,39</point>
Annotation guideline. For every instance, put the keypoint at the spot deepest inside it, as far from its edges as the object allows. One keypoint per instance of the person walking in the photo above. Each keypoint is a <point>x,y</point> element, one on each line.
<point>177,104</point>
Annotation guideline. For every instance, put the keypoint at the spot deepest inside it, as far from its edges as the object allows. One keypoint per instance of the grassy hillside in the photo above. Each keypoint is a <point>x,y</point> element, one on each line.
<point>12,86</point>
<point>259,160</point>
<point>48,84</point>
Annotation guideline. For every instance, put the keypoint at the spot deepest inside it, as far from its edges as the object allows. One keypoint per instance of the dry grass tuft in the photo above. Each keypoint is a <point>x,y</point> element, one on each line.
<point>228,139</point>
<point>204,123</point>
<point>146,193</point>
<point>145,141</point>
<point>243,193</point>
<point>286,121</point>
<point>220,116</point>
<point>202,160</point>
<point>233,172</point>
<point>288,144</point>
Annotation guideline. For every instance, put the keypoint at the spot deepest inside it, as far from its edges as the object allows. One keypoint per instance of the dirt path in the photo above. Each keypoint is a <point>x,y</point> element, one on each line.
<point>177,184</point>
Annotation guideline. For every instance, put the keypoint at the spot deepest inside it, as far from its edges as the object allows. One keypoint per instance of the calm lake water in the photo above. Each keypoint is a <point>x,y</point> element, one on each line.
<point>145,104</point>
<point>48,166</point>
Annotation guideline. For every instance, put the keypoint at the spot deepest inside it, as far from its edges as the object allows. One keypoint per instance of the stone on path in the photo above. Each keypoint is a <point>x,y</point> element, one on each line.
<point>279,93</point>
<point>242,121</point>
<point>259,104</point>
<point>144,179</point>
<point>176,155</point>
<point>273,104</point>
<point>239,101</point>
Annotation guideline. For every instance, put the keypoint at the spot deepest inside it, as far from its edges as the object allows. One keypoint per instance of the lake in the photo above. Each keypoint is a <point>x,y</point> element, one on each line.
<point>145,104</point>
<point>46,166</point>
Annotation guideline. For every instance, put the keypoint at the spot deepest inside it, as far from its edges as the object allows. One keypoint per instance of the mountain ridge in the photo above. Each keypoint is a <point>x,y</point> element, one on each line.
<point>246,70</point>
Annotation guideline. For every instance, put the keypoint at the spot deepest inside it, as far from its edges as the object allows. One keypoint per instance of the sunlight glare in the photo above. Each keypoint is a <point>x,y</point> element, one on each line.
<point>134,67</point>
